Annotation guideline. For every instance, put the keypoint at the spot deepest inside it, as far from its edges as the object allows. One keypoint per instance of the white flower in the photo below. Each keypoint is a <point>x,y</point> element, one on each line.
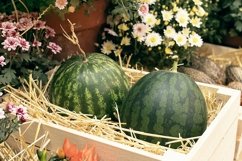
<point>180,39</point>
<point>108,47</point>
<point>167,15</point>
<point>201,12</point>
<point>61,4</point>
<point>140,30</point>
<point>198,2</point>
<point>110,31</point>
<point>147,1</point>
<point>150,19</point>
<point>182,17</point>
<point>196,22</point>
<point>195,40</point>
<point>186,31</point>
<point>2,114</point>
<point>125,41</point>
<point>169,32</point>
<point>153,39</point>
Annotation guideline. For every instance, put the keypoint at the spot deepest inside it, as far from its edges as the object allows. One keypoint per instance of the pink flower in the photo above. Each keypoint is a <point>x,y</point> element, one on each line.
<point>61,4</point>
<point>10,33</point>
<point>11,108</point>
<point>21,113</point>
<point>24,44</point>
<point>49,32</point>
<point>38,25</point>
<point>36,43</point>
<point>22,118</point>
<point>2,59</point>
<point>140,30</point>
<point>24,24</point>
<point>8,26</point>
<point>10,43</point>
<point>21,110</point>
<point>54,47</point>
<point>143,9</point>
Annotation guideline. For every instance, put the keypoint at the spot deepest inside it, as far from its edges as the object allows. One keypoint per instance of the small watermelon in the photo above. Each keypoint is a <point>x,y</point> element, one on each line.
<point>166,103</point>
<point>93,86</point>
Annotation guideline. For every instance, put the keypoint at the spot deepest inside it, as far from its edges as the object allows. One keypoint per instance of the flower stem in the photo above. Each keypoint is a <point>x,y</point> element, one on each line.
<point>74,39</point>
<point>175,63</point>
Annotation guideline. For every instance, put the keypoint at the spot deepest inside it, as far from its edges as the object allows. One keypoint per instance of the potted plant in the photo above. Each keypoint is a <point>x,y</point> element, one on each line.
<point>88,17</point>
<point>25,48</point>
<point>152,32</point>
<point>224,25</point>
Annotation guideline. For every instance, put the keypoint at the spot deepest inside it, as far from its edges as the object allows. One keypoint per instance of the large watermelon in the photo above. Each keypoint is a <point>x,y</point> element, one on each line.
<point>93,86</point>
<point>165,103</point>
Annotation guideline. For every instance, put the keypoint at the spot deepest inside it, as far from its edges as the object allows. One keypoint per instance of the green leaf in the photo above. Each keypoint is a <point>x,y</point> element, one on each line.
<point>8,75</point>
<point>25,57</point>
<point>238,25</point>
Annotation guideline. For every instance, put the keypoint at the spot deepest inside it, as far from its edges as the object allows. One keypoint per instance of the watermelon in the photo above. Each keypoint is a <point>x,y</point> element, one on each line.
<point>165,103</point>
<point>92,86</point>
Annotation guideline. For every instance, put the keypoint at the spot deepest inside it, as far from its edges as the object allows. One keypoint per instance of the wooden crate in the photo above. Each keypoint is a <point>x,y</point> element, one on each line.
<point>216,144</point>
<point>238,149</point>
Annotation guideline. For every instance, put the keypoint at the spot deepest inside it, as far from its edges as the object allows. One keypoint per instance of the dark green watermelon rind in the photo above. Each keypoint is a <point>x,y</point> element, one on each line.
<point>140,110</point>
<point>102,82</point>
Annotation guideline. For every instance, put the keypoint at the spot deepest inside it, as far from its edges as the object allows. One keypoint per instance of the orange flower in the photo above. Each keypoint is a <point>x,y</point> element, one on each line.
<point>71,152</point>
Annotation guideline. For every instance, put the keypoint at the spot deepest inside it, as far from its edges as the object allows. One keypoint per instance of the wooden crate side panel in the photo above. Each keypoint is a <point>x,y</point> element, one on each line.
<point>225,149</point>
<point>238,148</point>
<point>218,128</point>
<point>106,149</point>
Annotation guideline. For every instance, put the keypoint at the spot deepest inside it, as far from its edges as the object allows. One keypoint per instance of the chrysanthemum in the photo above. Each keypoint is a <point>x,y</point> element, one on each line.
<point>198,2</point>
<point>123,27</point>
<point>125,41</point>
<point>149,19</point>
<point>180,39</point>
<point>10,43</point>
<point>143,9</point>
<point>186,31</point>
<point>61,4</point>
<point>201,12</point>
<point>49,32</point>
<point>108,47</point>
<point>195,40</point>
<point>2,61</point>
<point>196,22</point>
<point>38,25</point>
<point>24,24</point>
<point>8,26</point>
<point>24,44</point>
<point>167,15</point>
<point>54,47</point>
<point>140,30</point>
<point>169,32</point>
<point>153,39</point>
<point>182,17</point>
